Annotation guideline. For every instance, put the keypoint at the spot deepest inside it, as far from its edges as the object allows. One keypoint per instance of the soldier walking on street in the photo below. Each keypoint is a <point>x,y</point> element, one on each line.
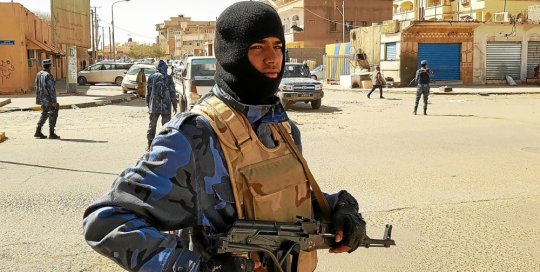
<point>423,78</point>
<point>46,97</point>
<point>160,95</point>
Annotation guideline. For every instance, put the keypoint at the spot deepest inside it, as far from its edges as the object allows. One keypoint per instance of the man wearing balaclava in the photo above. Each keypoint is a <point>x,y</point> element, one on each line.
<point>160,99</point>
<point>235,155</point>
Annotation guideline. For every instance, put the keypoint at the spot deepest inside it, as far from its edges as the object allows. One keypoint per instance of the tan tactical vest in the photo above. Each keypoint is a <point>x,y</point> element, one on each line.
<point>268,184</point>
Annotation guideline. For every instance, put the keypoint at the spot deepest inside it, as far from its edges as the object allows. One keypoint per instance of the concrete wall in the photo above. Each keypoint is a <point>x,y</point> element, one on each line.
<point>391,68</point>
<point>366,40</point>
<point>496,32</point>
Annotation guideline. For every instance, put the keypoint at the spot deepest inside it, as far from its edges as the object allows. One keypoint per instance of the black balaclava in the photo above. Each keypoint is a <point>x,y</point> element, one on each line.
<point>238,27</point>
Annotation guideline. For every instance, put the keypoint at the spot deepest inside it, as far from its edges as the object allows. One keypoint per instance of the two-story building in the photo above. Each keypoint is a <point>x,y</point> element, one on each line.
<point>25,40</point>
<point>180,37</point>
<point>465,41</point>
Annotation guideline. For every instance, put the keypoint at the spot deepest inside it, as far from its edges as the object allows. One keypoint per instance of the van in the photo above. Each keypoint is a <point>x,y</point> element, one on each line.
<point>103,72</point>
<point>196,79</point>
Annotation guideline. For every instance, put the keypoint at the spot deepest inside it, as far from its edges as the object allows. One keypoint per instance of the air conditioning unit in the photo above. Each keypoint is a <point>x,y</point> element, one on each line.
<point>501,17</point>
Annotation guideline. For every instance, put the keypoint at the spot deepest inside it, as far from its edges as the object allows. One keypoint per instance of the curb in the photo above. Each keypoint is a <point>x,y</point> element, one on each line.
<point>79,105</point>
<point>437,93</point>
<point>5,102</point>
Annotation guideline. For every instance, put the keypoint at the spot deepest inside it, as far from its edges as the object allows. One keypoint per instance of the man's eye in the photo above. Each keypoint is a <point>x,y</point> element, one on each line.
<point>256,47</point>
<point>278,46</point>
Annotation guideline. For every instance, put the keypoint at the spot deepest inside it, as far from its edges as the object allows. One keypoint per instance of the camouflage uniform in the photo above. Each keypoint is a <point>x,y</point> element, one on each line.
<point>422,89</point>
<point>183,182</point>
<point>159,97</point>
<point>46,97</point>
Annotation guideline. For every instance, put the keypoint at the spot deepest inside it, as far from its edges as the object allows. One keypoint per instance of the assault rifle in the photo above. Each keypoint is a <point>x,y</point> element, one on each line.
<point>280,239</point>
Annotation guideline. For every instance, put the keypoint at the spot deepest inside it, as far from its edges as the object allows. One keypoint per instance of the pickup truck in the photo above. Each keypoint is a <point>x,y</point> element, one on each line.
<point>297,86</point>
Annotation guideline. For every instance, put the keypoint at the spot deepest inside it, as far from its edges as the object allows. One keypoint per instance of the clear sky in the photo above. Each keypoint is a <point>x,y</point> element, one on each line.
<point>138,18</point>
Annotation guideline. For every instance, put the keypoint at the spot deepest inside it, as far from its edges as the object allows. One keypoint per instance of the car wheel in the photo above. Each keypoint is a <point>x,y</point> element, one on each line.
<point>284,103</point>
<point>82,81</point>
<point>316,104</point>
<point>182,104</point>
<point>314,77</point>
<point>118,81</point>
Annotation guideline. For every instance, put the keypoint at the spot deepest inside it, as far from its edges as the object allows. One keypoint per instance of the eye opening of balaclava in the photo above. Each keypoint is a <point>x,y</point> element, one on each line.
<point>237,28</point>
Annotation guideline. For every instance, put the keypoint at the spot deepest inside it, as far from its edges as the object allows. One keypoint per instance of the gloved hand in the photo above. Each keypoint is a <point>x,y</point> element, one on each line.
<point>348,224</point>
<point>56,105</point>
<point>228,263</point>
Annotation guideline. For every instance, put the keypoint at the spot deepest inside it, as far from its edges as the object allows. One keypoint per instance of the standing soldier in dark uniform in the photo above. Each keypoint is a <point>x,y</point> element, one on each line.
<point>46,97</point>
<point>423,78</point>
<point>237,138</point>
<point>160,95</point>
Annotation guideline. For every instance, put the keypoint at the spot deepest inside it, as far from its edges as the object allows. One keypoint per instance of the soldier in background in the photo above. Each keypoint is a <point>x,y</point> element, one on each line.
<point>160,98</point>
<point>46,97</point>
<point>422,78</point>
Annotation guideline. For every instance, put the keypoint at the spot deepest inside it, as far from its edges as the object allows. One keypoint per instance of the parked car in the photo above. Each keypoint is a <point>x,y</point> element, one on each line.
<point>130,80</point>
<point>103,72</point>
<point>318,73</point>
<point>297,86</point>
<point>196,79</point>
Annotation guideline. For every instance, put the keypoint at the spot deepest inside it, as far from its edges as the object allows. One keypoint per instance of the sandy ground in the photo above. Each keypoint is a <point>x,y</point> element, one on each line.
<point>460,186</point>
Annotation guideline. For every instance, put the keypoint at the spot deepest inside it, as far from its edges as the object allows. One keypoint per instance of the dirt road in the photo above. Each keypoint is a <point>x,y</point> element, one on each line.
<point>460,186</point>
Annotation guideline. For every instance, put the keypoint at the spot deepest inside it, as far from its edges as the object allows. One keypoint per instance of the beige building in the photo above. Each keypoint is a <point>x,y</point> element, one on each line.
<point>180,37</point>
<point>315,23</point>
<point>478,47</point>
<point>25,40</point>
<point>460,10</point>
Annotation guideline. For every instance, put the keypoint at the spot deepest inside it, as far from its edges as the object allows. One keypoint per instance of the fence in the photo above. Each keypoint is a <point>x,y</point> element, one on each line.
<point>337,66</point>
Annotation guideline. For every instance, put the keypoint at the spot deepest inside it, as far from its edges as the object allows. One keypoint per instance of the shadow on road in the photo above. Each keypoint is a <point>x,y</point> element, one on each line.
<point>83,141</point>
<point>454,115</point>
<point>393,99</point>
<point>307,108</point>
<point>58,168</point>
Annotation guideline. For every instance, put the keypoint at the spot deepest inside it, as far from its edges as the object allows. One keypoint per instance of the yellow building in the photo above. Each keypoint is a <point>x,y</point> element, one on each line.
<point>25,40</point>
<point>460,10</point>
<point>180,37</point>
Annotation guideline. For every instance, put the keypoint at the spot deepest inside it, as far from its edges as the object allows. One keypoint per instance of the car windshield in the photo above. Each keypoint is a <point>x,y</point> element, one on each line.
<point>295,71</point>
<point>147,71</point>
<point>203,69</point>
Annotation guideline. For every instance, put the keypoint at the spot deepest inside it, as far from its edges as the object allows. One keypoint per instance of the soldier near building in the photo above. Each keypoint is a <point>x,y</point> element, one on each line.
<point>44,87</point>
<point>422,78</point>
<point>235,155</point>
<point>160,99</point>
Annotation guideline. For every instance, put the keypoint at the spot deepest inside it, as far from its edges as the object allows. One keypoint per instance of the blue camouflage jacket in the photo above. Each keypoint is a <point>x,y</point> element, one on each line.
<point>182,182</point>
<point>44,88</point>
<point>160,91</point>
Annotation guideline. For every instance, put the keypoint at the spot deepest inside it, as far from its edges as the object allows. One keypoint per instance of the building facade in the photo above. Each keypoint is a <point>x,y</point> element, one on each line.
<point>23,45</point>
<point>315,23</point>
<point>180,37</point>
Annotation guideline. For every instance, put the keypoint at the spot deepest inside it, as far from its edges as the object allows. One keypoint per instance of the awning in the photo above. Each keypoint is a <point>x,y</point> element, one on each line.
<point>37,45</point>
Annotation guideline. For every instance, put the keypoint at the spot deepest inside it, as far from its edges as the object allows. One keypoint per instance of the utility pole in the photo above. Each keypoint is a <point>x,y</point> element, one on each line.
<point>342,12</point>
<point>111,42</point>
<point>103,41</point>
<point>112,23</point>
<point>95,32</point>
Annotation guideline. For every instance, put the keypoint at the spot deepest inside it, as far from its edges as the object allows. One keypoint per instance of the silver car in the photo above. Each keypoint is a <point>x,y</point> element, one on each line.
<point>103,72</point>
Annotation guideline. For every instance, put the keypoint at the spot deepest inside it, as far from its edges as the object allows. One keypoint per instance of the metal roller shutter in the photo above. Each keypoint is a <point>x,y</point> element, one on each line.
<point>391,52</point>
<point>503,58</point>
<point>443,58</point>
<point>533,57</point>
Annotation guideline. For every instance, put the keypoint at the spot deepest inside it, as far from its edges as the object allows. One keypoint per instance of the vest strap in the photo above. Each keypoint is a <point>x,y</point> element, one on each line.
<point>323,204</point>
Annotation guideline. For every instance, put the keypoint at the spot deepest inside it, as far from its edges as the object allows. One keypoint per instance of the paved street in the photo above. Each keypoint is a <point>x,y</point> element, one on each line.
<point>460,186</point>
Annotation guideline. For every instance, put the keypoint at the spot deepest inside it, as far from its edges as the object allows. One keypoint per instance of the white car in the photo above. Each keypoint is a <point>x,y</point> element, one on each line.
<point>196,79</point>
<point>130,79</point>
<point>318,72</point>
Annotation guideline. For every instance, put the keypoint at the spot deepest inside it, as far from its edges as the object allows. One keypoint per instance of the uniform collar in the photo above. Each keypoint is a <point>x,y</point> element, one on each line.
<point>272,113</point>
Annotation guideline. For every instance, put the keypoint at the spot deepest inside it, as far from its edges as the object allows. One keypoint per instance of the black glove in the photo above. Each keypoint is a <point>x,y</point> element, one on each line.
<point>347,219</point>
<point>228,264</point>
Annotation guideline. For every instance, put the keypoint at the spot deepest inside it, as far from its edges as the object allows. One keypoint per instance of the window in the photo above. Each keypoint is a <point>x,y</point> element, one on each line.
<point>391,51</point>
<point>333,26</point>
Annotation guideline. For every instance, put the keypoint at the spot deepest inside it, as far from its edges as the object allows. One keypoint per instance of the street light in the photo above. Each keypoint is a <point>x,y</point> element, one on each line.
<point>113,45</point>
<point>342,12</point>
